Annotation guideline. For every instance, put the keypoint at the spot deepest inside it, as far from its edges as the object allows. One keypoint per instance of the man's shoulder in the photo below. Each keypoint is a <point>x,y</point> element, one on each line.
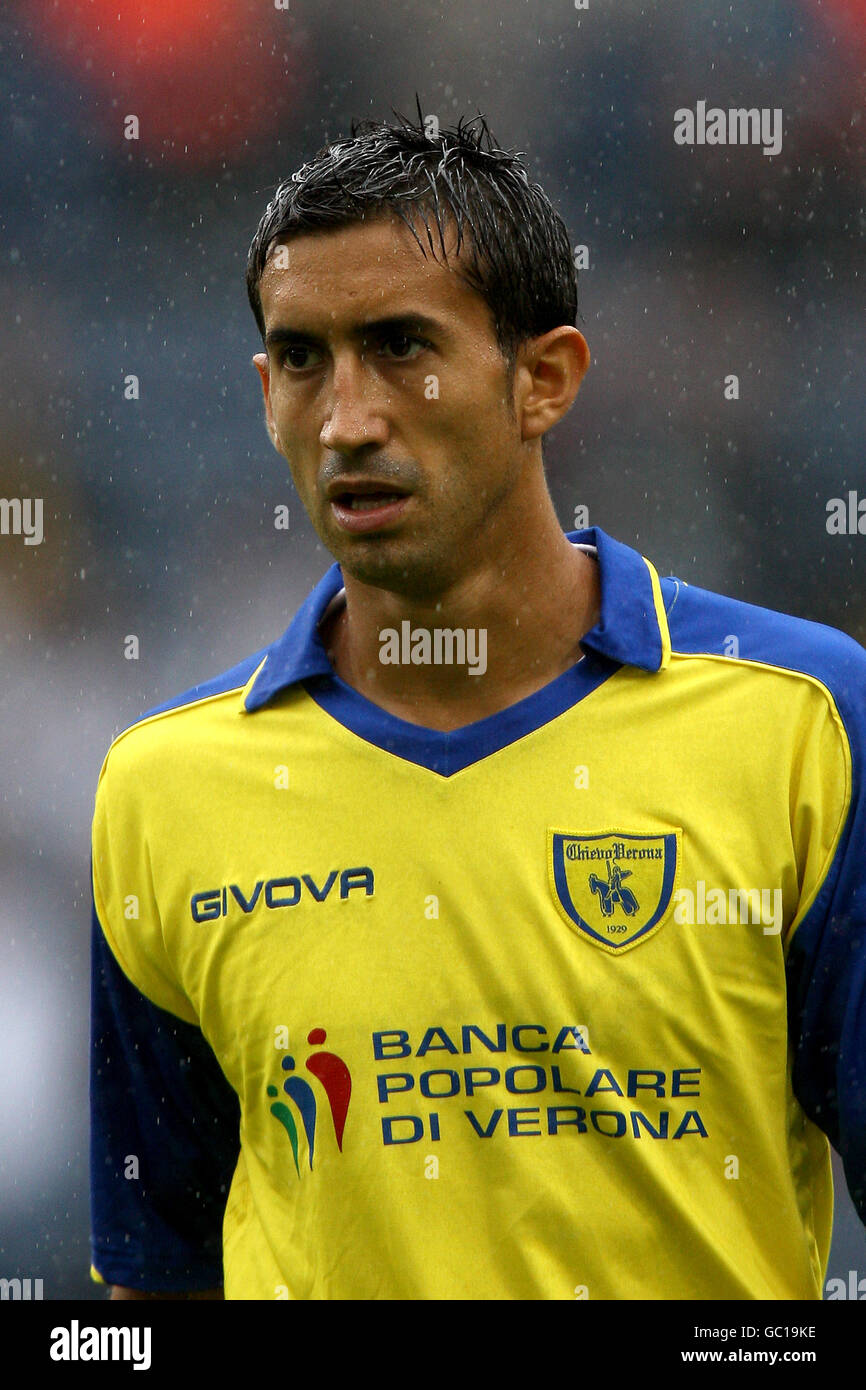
<point>228,682</point>
<point>178,725</point>
<point>704,623</point>
<point>290,658</point>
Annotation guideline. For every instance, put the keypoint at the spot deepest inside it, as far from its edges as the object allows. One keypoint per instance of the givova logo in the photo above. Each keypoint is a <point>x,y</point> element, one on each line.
<point>275,893</point>
<point>336,1081</point>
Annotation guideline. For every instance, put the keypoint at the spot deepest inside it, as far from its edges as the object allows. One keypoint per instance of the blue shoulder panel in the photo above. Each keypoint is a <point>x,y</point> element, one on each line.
<point>701,621</point>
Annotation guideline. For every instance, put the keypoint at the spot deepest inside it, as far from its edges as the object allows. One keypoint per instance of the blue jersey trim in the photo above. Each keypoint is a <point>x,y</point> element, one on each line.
<point>826,972</point>
<point>702,622</point>
<point>627,631</point>
<point>299,654</point>
<point>447,753</point>
<point>233,679</point>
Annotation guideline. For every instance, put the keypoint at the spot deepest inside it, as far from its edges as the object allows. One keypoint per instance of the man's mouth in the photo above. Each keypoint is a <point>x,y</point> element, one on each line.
<point>365,505</point>
<point>367,501</point>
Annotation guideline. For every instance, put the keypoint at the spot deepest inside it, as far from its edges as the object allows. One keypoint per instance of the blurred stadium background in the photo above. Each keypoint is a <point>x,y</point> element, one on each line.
<point>124,257</point>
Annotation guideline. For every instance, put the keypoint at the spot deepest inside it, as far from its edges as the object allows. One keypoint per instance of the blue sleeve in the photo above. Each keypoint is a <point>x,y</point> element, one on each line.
<point>827,976</point>
<point>164,1140</point>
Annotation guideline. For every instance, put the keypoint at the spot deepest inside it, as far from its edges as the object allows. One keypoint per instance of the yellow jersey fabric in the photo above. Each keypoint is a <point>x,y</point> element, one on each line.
<point>561,1005</point>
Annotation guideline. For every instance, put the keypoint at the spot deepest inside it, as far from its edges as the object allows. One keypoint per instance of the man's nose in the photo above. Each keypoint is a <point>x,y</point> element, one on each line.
<point>355,411</point>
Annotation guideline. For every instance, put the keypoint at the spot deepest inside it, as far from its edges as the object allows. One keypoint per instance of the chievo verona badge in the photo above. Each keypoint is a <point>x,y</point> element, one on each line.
<point>615,888</point>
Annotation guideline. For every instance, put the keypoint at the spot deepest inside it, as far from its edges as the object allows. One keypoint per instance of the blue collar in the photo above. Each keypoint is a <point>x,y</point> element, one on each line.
<point>632,629</point>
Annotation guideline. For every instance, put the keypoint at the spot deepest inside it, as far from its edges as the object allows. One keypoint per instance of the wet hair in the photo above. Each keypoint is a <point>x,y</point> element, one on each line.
<point>515,247</point>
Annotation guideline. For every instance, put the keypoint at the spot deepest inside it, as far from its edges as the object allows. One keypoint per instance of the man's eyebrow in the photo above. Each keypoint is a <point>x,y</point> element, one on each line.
<point>410,322</point>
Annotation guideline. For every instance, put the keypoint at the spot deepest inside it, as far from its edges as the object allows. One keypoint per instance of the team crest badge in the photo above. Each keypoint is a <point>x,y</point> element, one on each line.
<point>615,889</point>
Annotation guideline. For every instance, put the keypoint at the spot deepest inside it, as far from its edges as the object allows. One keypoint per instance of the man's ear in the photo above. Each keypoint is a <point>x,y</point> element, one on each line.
<point>548,373</point>
<point>262,366</point>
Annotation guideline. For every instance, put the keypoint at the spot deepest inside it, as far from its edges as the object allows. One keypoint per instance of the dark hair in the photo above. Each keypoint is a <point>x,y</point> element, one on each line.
<point>518,254</point>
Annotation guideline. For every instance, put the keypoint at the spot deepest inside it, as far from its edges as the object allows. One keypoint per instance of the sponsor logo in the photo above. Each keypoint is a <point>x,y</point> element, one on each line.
<point>615,889</point>
<point>274,893</point>
<point>563,1093</point>
<point>335,1080</point>
<point>490,1083</point>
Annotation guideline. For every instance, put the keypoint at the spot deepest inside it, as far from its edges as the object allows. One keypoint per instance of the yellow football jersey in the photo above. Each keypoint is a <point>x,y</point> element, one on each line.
<point>564,1004</point>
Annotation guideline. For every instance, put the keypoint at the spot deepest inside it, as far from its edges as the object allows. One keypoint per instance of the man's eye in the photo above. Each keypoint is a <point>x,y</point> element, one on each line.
<point>300,356</point>
<point>403,346</point>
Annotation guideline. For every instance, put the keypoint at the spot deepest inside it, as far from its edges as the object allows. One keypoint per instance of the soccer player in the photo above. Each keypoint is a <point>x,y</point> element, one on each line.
<point>499,931</point>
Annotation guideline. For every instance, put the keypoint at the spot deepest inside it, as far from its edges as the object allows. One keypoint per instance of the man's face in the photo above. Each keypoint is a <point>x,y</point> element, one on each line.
<point>389,397</point>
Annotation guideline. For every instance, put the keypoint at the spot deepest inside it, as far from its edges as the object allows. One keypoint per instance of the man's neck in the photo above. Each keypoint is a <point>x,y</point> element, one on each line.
<point>487,645</point>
